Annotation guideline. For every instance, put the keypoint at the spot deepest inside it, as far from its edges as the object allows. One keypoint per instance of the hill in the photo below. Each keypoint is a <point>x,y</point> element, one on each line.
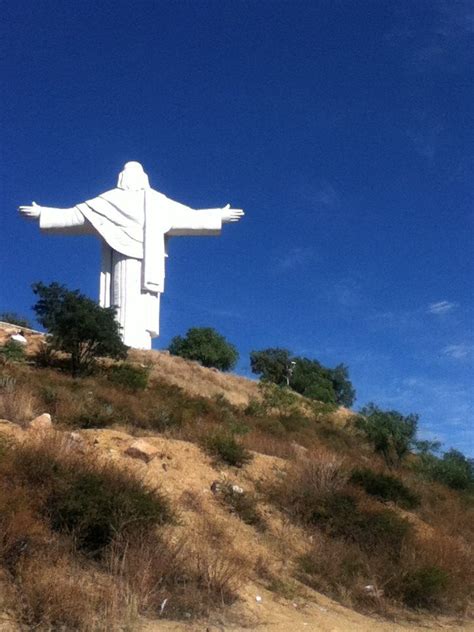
<point>197,501</point>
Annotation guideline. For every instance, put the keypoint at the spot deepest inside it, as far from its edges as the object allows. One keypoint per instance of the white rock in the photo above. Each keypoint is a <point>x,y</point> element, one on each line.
<point>237,490</point>
<point>20,339</point>
<point>42,422</point>
<point>141,449</point>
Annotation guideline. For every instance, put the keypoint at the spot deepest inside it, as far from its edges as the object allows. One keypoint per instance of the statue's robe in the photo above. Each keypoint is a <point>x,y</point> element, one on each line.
<point>134,227</point>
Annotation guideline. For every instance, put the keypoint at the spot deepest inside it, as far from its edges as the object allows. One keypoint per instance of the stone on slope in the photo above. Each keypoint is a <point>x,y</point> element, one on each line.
<point>42,422</point>
<point>141,449</point>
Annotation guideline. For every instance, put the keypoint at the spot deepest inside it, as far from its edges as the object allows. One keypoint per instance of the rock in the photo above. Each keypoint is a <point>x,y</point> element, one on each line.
<point>143,450</point>
<point>75,441</point>
<point>42,422</point>
<point>76,437</point>
<point>237,490</point>
<point>300,451</point>
<point>215,487</point>
<point>19,339</point>
<point>373,591</point>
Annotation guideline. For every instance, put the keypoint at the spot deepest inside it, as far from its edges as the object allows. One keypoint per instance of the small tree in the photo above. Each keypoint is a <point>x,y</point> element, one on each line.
<point>343,389</point>
<point>307,377</point>
<point>207,346</point>
<point>389,432</point>
<point>78,326</point>
<point>453,469</point>
<point>312,380</point>
<point>272,364</point>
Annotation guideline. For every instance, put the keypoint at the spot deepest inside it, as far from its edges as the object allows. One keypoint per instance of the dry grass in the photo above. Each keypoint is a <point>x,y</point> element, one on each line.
<point>57,592</point>
<point>171,576</point>
<point>79,545</point>
<point>319,474</point>
<point>198,380</point>
<point>342,539</point>
<point>18,405</point>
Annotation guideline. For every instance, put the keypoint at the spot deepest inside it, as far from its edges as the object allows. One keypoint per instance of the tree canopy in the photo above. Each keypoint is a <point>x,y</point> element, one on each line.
<point>78,326</point>
<point>304,375</point>
<point>207,346</point>
<point>390,433</point>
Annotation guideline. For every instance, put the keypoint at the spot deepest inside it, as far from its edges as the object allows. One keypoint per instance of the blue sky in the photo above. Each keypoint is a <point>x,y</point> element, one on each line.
<point>343,128</point>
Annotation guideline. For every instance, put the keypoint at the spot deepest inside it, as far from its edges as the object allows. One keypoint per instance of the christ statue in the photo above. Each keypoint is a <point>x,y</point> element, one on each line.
<point>134,223</point>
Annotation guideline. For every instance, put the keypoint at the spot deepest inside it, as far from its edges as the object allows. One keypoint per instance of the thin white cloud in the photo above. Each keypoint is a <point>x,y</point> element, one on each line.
<point>347,293</point>
<point>327,196</point>
<point>441,307</point>
<point>458,352</point>
<point>295,258</point>
<point>425,140</point>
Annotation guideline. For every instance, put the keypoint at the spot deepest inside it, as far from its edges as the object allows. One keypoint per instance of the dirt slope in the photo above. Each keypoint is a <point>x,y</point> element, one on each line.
<point>186,474</point>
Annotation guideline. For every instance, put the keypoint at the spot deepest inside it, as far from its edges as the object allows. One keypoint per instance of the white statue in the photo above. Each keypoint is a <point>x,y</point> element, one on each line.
<point>134,223</point>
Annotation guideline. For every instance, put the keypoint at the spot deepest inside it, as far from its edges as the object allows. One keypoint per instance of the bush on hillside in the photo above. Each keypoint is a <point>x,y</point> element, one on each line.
<point>224,446</point>
<point>12,351</point>
<point>94,502</point>
<point>307,377</point>
<point>385,487</point>
<point>78,326</point>
<point>316,493</point>
<point>207,346</point>
<point>390,433</point>
<point>244,505</point>
<point>423,587</point>
<point>453,469</point>
<point>134,378</point>
<point>272,365</point>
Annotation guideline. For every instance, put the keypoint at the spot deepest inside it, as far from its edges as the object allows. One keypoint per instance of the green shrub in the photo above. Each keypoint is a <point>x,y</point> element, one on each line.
<point>339,516</point>
<point>12,351</point>
<point>207,346</point>
<point>162,418</point>
<point>424,587</point>
<point>243,504</point>
<point>94,502</point>
<point>96,413</point>
<point>224,446</point>
<point>130,376</point>
<point>294,422</point>
<point>78,326</point>
<point>453,469</point>
<point>271,425</point>
<point>385,487</point>
<point>98,505</point>
<point>390,433</point>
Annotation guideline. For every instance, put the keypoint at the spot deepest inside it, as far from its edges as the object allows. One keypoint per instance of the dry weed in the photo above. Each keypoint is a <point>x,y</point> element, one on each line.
<point>18,405</point>
<point>58,593</point>
<point>171,577</point>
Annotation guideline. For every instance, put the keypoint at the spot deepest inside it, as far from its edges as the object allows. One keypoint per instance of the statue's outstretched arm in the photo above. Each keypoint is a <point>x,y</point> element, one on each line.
<point>57,220</point>
<point>187,221</point>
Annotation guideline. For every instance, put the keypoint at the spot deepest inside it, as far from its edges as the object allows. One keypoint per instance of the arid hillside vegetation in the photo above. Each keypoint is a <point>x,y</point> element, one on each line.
<point>167,496</point>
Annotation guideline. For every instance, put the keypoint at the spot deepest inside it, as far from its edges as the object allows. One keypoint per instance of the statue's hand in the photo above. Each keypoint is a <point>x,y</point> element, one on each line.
<point>231,214</point>
<point>30,212</point>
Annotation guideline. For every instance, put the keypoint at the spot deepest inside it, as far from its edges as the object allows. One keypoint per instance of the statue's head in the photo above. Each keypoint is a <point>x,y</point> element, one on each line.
<point>133,177</point>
